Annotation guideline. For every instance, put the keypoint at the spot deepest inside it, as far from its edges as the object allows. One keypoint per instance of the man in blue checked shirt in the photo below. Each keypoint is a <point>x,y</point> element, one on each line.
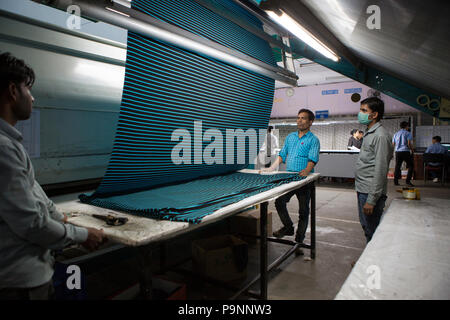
<point>301,153</point>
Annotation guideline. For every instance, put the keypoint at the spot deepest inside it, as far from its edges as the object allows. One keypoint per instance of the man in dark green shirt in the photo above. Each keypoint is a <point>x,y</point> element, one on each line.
<point>372,166</point>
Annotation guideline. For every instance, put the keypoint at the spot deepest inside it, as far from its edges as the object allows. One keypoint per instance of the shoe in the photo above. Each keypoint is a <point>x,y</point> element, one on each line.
<point>435,180</point>
<point>284,232</point>
<point>299,252</point>
<point>409,184</point>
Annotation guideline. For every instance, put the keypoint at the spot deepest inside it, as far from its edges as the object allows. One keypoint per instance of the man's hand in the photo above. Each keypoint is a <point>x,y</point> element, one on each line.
<point>368,209</point>
<point>95,238</point>
<point>304,173</point>
<point>266,170</point>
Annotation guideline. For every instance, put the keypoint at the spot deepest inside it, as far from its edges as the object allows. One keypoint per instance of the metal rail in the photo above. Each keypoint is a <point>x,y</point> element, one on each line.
<point>136,21</point>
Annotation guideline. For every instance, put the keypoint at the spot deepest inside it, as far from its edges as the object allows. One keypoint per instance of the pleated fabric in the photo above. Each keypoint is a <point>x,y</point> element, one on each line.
<point>192,201</point>
<point>168,88</point>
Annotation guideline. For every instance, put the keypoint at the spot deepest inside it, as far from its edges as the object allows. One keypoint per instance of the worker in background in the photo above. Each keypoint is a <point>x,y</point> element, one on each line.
<point>403,143</point>
<point>436,147</point>
<point>301,154</point>
<point>355,141</point>
<point>269,148</point>
<point>30,224</point>
<point>372,166</point>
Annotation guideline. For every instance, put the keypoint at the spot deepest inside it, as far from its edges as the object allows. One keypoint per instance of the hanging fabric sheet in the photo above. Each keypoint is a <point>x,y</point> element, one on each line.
<point>174,99</point>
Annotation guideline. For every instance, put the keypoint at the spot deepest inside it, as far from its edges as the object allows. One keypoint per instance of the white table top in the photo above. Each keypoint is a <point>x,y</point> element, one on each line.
<point>140,231</point>
<point>408,256</point>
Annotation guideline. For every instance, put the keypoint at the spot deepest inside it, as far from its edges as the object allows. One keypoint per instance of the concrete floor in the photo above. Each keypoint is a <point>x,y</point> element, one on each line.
<point>340,241</point>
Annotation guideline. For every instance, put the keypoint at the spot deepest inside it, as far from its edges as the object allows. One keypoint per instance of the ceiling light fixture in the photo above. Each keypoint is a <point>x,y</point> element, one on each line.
<point>300,32</point>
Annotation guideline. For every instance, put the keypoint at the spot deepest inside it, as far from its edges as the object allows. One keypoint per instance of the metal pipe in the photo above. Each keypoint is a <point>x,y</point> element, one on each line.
<point>141,23</point>
<point>250,7</point>
<point>250,28</point>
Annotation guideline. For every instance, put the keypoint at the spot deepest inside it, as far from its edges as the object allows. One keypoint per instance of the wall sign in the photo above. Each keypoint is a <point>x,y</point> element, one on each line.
<point>325,92</point>
<point>353,90</point>
<point>322,114</point>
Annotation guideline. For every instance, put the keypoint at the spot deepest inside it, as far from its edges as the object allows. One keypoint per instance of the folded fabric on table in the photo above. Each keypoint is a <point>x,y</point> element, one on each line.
<point>192,201</point>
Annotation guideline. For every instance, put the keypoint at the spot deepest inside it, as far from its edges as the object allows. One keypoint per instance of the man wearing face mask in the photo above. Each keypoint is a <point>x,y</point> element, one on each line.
<point>372,166</point>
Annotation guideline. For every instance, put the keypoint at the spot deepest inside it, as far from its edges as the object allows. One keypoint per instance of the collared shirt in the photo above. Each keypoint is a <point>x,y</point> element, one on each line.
<point>372,165</point>
<point>299,151</point>
<point>30,225</point>
<point>401,139</point>
<point>436,148</point>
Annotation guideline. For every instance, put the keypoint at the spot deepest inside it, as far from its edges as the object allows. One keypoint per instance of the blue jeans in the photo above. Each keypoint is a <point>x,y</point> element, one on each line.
<point>304,197</point>
<point>370,223</point>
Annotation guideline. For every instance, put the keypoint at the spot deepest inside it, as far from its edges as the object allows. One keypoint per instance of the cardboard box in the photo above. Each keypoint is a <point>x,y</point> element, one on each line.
<point>248,223</point>
<point>222,258</point>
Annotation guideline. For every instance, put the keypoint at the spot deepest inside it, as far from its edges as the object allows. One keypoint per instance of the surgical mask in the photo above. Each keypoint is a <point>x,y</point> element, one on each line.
<point>363,118</point>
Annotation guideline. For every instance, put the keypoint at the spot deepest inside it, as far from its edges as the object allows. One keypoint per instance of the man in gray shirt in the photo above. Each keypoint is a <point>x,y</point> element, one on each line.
<point>372,166</point>
<point>30,224</point>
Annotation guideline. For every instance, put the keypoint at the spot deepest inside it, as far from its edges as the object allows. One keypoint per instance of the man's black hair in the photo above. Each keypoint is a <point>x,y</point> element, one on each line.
<point>404,124</point>
<point>437,138</point>
<point>353,131</point>
<point>376,105</point>
<point>14,70</point>
<point>311,115</point>
<point>269,128</point>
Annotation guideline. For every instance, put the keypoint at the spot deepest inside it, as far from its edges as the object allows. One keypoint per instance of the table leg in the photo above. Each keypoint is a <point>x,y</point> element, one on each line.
<point>313,221</point>
<point>263,250</point>
<point>143,258</point>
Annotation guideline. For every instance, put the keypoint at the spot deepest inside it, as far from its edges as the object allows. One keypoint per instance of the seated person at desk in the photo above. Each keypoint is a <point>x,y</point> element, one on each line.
<point>436,147</point>
<point>355,141</point>
<point>30,224</point>
<point>301,153</point>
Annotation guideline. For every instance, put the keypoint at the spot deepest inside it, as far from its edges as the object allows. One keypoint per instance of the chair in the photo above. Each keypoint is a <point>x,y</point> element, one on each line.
<point>433,157</point>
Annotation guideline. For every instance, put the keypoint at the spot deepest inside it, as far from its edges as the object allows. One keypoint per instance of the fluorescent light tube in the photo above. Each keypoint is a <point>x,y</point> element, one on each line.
<point>296,29</point>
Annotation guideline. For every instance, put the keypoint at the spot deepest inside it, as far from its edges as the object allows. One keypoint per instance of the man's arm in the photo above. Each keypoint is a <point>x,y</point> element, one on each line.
<point>383,152</point>
<point>411,146</point>
<point>24,213</point>
<point>410,142</point>
<point>313,157</point>
<point>274,165</point>
<point>307,170</point>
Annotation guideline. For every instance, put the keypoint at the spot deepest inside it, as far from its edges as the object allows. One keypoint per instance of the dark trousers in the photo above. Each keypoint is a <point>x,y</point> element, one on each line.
<point>399,158</point>
<point>304,196</point>
<point>370,223</point>
<point>42,292</point>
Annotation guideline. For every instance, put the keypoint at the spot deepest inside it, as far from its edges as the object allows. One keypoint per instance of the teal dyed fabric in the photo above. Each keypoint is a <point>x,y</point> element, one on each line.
<point>192,201</point>
<point>167,89</point>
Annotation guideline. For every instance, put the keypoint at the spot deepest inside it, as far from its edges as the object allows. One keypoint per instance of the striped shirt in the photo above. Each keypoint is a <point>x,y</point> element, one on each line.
<point>401,139</point>
<point>299,151</point>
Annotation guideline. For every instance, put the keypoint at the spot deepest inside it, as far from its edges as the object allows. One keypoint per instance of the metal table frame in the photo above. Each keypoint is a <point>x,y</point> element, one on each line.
<point>144,252</point>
